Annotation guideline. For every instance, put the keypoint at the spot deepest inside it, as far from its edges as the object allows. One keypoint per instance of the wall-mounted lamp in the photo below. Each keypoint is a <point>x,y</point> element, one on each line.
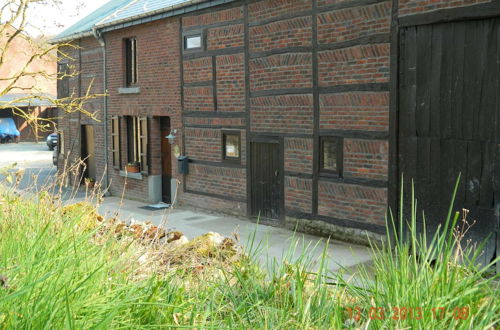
<point>171,137</point>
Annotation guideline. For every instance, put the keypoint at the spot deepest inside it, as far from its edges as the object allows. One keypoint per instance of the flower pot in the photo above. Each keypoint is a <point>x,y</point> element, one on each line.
<point>132,168</point>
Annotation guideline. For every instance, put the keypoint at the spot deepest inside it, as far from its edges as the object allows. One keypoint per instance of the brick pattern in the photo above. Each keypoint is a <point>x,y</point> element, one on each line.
<point>288,33</point>
<point>299,155</point>
<point>223,181</point>
<point>366,159</point>
<point>159,82</point>
<point>227,122</point>
<point>88,58</point>
<point>225,37</point>
<point>198,98</point>
<point>269,9</point>
<point>351,23</point>
<point>407,7</point>
<point>231,82</point>
<point>298,194</point>
<point>216,16</point>
<point>354,65</point>
<point>198,70</point>
<point>366,111</point>
<point>322,3</point>
<point>352,202</point>
<point>281,71</point>
<point>211,203</point>
<point>203,144</point>
<point>282,114</point>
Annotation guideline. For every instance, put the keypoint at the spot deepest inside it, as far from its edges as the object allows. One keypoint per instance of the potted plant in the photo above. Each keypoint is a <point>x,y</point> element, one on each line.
<point>89,183</point>
<point>133,167</point>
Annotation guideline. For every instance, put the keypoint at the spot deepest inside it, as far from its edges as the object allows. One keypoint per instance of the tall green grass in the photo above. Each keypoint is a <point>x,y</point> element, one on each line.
<point>55,275</point>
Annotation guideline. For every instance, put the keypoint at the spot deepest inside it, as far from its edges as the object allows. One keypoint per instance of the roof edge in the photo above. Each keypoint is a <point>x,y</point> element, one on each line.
<point>71,37</point>
<point>193,3</point>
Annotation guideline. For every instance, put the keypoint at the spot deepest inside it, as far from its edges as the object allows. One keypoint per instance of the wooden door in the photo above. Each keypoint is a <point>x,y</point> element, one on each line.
<point>266,192</point>
<point>166,160</point>
<point>448,113</point>
<point>88,151</point>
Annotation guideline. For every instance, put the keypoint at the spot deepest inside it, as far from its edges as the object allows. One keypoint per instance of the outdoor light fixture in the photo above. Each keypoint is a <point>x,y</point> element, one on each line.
<point>171,137</point>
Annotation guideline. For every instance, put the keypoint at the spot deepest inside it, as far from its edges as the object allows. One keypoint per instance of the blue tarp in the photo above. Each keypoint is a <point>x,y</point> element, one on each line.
<point>8,128</point>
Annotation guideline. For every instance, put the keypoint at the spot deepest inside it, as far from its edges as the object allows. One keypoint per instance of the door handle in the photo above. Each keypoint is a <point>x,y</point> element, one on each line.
<point>276,172</point>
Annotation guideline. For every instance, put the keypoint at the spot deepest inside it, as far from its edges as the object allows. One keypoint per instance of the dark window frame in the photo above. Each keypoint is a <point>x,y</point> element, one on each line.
<point>137,138</point>
<point>116,142</point>
<point>196,33</point>
<point>130,61</point>
<point>338,173</point>
<point>230,159</point>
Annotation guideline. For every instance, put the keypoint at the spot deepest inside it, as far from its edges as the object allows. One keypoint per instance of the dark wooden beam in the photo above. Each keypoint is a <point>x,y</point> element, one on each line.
<point>485,10</point>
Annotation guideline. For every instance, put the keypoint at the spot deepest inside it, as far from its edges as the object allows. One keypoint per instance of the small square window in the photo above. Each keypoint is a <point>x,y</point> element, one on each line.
<point>192,42</point>
<point>231,146</point>
<point>331,152</point>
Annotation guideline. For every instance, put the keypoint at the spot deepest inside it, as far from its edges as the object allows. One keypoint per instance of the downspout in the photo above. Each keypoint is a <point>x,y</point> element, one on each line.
<point>102,42</point>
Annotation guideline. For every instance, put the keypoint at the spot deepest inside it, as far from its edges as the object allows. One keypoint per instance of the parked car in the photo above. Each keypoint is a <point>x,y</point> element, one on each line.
<point>52,141</point>
<point>54,156</point>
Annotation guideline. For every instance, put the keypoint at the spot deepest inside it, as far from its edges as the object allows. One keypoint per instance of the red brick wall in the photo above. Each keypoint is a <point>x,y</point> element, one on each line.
<point>158,66</point>
<point>225,37</point>
<point>298,194</point>
<point>203,134</point>
<point>288,33</point>
<point>354,65</point>
<point>299,155</point>
<point>87,58</point>
<point>366,159</point>
<point>362,111</point>
<point>280,40</point>
<point>282,114</point>
<point>281,71</point>
<point>198,70</point>
<point>352,202</point>
<point>222,181</point>
<point>230,82</point>
<point>355,22</point>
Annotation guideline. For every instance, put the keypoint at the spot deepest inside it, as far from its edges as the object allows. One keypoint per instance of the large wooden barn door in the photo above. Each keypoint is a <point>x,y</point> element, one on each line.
<point>449,101</point>
<point>266,196</point>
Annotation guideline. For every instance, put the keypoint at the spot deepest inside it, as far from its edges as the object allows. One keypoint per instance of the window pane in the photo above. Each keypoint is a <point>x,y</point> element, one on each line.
<point>330,155</point>
<point>232,146</point>
<point>193,42</point>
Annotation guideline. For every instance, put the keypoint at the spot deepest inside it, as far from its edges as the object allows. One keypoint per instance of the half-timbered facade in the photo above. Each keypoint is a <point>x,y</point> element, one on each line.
<point>305,113</point>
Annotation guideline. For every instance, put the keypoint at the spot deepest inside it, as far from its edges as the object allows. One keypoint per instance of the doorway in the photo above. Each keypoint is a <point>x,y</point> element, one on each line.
<point>266,180</point>
<point>448,102</point>
<point>88,152</point>
<point>166,161</point>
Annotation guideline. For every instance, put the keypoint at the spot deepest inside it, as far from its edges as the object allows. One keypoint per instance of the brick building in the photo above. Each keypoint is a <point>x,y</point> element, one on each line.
<point>295,110</point>
<point>31,94</point>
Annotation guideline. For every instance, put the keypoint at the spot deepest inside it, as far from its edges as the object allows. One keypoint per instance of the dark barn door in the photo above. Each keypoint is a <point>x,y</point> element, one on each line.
<point>448,109</point>
<point>266,196</point>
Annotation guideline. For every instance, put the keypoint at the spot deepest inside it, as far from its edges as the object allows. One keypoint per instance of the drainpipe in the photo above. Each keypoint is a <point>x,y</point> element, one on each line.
<point>102,42</point>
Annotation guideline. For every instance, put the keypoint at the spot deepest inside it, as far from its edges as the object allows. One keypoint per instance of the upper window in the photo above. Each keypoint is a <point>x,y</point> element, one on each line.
<point>331,155</point>
<point>130,61</point>
<point>231,146</point>
<point>192,42</point>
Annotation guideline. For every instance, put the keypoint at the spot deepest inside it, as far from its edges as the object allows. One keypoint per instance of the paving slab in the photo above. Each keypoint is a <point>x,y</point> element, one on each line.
<point>274,243</point>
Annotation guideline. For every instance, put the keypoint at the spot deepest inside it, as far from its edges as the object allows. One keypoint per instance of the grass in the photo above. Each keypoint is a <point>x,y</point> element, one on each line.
<point>55,274</point>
